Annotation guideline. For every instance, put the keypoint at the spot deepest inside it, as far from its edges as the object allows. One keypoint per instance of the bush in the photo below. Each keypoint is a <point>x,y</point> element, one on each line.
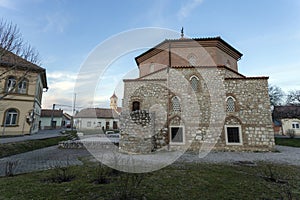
<point>10,168</point>
<point>61,175</point>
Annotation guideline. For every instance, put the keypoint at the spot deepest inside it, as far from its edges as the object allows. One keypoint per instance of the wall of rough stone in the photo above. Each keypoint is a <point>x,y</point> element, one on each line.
<point>203,112</point>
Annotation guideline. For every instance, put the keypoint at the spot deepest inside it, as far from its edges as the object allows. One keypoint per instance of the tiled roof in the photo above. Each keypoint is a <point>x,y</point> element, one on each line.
<point>215,41</point>
<point>10,59</point>
<point>98,113</point>
<point>48,113</point>
<point>290,111</point>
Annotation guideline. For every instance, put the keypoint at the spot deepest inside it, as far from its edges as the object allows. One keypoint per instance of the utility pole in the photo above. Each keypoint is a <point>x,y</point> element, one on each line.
<point>52,114</point>
<point>73,111</point>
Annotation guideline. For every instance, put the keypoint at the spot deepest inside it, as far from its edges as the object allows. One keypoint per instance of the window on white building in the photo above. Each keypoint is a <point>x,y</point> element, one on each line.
<point>89,124</point>
<point>295,125</point>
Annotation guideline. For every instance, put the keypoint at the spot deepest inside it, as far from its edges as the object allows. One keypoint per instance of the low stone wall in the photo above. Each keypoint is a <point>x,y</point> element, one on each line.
<point>78,144</point>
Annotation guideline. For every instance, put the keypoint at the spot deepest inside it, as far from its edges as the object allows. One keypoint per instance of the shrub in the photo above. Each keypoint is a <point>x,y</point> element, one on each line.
<point>10,167</point>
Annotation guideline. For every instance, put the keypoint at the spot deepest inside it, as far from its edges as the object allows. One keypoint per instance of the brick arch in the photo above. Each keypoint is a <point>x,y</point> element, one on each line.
<point>176,120</point>
<point>233,120</point>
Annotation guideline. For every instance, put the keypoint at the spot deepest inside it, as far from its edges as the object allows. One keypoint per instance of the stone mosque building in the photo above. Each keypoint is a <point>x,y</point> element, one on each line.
<point>189,93</point>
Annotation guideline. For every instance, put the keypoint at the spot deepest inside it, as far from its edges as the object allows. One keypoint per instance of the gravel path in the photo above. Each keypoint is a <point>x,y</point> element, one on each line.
<point>286,155</point>
<point>50,157</point>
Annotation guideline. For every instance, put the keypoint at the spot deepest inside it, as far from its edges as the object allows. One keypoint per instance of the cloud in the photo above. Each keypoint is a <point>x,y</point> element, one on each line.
<point>61,89</point>
<point>187,8</point>
<point>9,4</point>
<point>56,21</point>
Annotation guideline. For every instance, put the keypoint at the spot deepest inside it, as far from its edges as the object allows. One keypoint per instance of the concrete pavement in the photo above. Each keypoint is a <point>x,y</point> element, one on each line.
<point>42,134</point>
<point>43,159</point>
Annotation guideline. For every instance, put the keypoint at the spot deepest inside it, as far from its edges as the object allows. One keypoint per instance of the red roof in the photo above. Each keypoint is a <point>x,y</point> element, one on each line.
<point>289,111</point>
<point>210,41</point>
<point>48,113</point>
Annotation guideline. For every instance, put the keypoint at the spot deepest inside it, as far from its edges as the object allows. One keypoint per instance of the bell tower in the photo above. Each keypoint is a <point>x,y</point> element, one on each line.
<point>114,102</point>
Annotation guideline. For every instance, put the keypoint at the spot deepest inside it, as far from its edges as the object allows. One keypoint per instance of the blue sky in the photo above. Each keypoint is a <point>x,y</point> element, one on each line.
<point>267,32</point>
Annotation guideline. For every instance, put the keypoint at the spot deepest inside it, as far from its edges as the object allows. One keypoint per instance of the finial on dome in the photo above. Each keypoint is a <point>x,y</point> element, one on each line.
<point>182,33</point>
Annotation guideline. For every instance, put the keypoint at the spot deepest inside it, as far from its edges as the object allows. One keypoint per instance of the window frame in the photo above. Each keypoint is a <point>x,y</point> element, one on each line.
<point>6,115</point>
<point>295,125</point>
<point>191,79</point>
<point>22,90</point>
<point>9,83</point>
<point>183,134</point>
<point>88,124</point>
<point>234,104</point>
<point>178,103</point>
<point>240,135</point>
<point>136,103</point>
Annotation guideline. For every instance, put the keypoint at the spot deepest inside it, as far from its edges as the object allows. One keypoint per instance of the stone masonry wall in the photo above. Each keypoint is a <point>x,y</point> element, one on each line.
<point>203,112</point>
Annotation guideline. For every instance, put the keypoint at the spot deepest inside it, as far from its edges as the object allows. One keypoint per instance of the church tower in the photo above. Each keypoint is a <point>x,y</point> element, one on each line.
<point>114,102</point>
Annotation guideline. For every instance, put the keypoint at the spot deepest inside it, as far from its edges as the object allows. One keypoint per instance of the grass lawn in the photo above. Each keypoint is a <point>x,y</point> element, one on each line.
<point>13,148</point>
<point>292,142</point>
<point>181,181</point>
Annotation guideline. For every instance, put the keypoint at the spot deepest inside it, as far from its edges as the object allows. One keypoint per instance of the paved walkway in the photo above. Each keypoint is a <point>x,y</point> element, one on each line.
<point>51,157</point>
<point>42,134</point>
<point>43,159</point>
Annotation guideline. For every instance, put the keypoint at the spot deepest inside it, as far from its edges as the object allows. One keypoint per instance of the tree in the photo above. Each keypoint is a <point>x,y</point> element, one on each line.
<point>11,41</point>
<point>276,95</point>
<point>293,97</point>
<point>11,44</point>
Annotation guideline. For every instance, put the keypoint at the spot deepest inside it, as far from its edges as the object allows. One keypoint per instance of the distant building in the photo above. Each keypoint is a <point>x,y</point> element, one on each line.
<point>99,118</point>
<point>288,117</point>
<point>21,90</point>
<point>48,115</point>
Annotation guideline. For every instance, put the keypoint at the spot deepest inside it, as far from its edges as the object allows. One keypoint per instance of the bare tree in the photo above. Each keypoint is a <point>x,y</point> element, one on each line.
<point>10,38</point>
<point>293,97</point>
<point>12,44</point>
<point>276,95</point>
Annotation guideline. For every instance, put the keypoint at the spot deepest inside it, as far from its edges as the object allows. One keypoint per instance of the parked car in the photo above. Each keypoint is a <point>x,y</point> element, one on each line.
<point>112,134</point>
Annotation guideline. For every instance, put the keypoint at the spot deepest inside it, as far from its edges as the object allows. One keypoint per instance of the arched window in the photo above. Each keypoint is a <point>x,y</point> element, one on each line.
<point>192,59</point>
<point>135,105</point>
<point>22,87</point>
<point>176,104</point>
<point>230,104</point>
<point>195,83</point>
<point>11,117</point>
<point>11,83</point>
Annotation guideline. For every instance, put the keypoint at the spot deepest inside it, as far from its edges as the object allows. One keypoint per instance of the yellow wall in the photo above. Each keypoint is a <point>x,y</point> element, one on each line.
<point>24,103</point>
